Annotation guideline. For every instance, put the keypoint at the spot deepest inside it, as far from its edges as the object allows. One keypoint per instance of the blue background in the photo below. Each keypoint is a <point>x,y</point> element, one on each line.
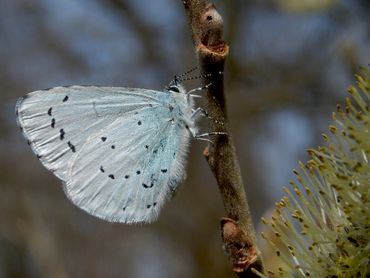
<point>288,67</point>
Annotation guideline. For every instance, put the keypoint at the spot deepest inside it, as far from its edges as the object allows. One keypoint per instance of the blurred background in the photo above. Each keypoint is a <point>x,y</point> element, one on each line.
<point>290,62</point>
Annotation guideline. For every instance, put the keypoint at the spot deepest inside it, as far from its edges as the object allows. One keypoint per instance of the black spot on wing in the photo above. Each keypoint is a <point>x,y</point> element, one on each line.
<point>146,146</point>
<point>113,147</point>
<point>71,146</point>
<point>65,98</point>
<point>147,186</point>
<point>102,169</point>
<point>49,111</point>
<point>127,176</point>
<point>62,133</point>
<point>164,170</point>
<point>138,172</point>
<point>111,176</point>
<point>139,123</point>
<point>149,206</point>
<point>103,138</point>
<point>52,123</point>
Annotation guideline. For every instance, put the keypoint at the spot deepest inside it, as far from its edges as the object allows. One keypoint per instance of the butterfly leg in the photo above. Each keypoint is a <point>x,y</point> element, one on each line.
<point>190,93</point>
<point>199,112</point>
<point>199,88</point>
<point>210,133</point>
<point>194,96</point>
<point>207,134</point>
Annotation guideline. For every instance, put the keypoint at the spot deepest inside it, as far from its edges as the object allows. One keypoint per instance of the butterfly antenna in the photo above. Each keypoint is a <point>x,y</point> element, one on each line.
<point>177,78</point>
<point>189,71</point>
<point>198,77</point>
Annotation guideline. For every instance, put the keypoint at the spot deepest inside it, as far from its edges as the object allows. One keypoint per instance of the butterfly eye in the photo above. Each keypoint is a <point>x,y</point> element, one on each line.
<point>174,89</point>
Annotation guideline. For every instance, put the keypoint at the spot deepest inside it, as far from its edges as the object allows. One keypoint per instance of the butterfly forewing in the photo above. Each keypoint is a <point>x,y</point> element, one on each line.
<point>57,122</point>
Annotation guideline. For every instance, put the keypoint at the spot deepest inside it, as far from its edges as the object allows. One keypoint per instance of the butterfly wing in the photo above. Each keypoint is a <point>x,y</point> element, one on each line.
<point>116,149</point>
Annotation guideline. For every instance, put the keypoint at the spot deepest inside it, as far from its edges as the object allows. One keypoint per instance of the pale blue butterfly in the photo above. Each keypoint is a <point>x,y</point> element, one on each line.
<point>120,152</point>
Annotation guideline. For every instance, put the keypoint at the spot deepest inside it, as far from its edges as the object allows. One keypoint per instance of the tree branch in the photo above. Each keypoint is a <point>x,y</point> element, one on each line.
<point>238,234</point>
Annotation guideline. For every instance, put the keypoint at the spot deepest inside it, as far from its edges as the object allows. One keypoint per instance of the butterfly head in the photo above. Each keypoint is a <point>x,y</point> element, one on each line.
<point>176,86</point>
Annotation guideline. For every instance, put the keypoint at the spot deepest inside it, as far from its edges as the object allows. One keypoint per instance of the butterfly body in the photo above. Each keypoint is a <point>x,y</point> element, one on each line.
<point>120,152</point>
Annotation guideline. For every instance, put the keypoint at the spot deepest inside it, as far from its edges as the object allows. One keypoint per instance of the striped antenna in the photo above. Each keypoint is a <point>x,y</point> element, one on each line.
<point>197,77</point>
<point>176,77</point>
<point>186,73</point>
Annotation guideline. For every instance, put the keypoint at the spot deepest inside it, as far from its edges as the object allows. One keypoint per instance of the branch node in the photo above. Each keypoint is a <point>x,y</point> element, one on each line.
<point>237,245</point>
<point>211,26</point>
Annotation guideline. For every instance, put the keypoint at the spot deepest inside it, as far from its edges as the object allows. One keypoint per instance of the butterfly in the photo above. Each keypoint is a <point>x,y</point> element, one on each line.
<point>120,152</point>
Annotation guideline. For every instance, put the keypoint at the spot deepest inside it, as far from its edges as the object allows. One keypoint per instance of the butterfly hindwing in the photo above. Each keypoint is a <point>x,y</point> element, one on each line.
<point>126,172</point>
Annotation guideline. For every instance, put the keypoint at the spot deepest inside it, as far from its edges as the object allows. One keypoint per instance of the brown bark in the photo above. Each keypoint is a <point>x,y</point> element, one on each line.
<point>237,230</point>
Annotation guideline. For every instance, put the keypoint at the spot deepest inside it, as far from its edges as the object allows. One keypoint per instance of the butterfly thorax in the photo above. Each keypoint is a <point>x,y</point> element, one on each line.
<point>181,106</point>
